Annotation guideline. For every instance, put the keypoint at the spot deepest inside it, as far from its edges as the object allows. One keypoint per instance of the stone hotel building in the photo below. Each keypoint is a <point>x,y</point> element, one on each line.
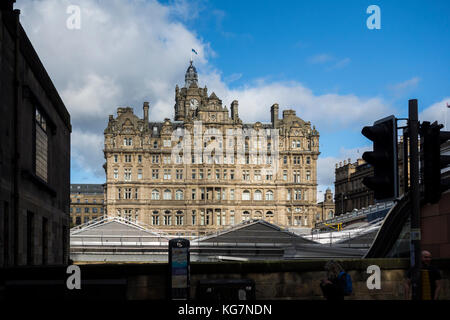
<point>191,194</point>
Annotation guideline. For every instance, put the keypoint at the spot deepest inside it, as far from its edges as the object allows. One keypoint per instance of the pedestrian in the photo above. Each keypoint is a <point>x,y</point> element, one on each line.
<point>430,279</point>
<point>333,287</point>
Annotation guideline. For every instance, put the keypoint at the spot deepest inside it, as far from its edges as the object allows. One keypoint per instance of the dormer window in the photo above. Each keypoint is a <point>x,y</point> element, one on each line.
<point>127,141</point>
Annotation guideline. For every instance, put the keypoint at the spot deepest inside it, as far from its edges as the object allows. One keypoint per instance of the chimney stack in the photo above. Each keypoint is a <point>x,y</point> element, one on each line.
<point>274,110</point>
<point>234,110</point>
<point>146,111</point>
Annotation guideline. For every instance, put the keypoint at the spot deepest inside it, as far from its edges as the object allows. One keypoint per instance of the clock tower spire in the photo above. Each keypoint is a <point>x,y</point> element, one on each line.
<point>191,77</point>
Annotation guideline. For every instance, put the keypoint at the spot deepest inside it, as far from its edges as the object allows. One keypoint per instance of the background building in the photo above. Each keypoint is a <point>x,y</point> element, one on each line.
<point>144,184</point>
<point>350,192</point>
<point>34,154</point>
<point>326,208</point>
<point>86,202</point>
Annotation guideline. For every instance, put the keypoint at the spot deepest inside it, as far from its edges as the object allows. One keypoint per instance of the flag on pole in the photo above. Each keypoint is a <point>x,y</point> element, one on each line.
<point>194,51</point>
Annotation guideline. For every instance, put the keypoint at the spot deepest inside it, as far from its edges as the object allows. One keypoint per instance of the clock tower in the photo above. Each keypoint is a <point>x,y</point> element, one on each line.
<point>190,98</point>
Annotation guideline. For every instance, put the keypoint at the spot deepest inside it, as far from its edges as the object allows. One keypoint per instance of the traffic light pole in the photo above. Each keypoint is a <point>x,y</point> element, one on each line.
<point>413,130</point>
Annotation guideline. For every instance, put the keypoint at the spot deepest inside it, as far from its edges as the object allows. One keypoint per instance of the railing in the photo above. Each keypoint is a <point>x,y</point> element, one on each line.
<point>355,214</point>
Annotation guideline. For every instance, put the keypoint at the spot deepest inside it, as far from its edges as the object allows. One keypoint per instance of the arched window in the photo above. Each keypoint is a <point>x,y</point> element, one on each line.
<point>330,214</point>
<point>245,215</point>
<point>246,195</point>
<point>155,194</point>
<point>269,195</point>
<point>258,195</point>
<point>179,195</point>
<point>167,194</point>
<point>258,215</point>
<point>269,213</point>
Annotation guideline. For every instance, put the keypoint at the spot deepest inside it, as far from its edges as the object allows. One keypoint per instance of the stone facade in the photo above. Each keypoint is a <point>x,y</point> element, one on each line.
<point>86,203</point>
<point>326,208</point>
<point>144,182</point>
<point>34,154</point>
<point>350,192</point>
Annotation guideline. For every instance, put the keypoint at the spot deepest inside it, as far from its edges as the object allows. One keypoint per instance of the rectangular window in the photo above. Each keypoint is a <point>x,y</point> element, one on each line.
<point>200,173</point>
<point>193,174</point>
<point>155,159</point>
<point>167,174</point>
<point>128,158</point>
<point>246,175</point>
<point>179,174</point>
<point>127,174</point>
<point>217,174</point>
<point>139,173</point>
<point>116,158</point>
<point>193,218</point>
<point>285,175</point>
<point>257,175</point>
<point>285,160</point>
<point>116,173</point>
<point>308,175</point>
<point>232,217</point>
<point>167,143</point>
<point>127,141</point>
<point>41,146</point>
<point>231,194</point>
<point>225,174</point>
<point>297,176</point>
<point>127,193</point>
<point>139,158</point>
<point>232,174</point>
<point>194,192</point>
<point>155,174</point>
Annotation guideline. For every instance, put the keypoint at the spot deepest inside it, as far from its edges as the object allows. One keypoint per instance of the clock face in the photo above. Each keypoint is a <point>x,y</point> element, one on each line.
<point>193,104</point>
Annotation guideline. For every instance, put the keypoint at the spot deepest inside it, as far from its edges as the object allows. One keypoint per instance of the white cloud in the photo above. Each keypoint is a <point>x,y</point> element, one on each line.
<point>320,58</point>
<point>326,167</point>
<point>404,87</point>
<point>437,112</point>
<point>127,52</point>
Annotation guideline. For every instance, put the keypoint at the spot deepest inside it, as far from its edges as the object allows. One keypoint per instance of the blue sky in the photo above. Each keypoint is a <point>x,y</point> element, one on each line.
<point>317,57</point>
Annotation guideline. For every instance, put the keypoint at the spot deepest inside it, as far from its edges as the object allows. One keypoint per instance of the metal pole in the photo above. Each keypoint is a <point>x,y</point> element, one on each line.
<point>405,161</point>
<point>413,128</point>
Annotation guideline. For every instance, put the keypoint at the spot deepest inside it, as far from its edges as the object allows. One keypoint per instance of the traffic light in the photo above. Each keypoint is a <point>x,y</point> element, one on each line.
<point>432,161</point>
<point>383,158</point>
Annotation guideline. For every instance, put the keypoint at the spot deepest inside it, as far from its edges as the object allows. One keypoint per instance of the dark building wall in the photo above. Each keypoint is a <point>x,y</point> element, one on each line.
<point>34,210</point>
<point>435,224</point>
